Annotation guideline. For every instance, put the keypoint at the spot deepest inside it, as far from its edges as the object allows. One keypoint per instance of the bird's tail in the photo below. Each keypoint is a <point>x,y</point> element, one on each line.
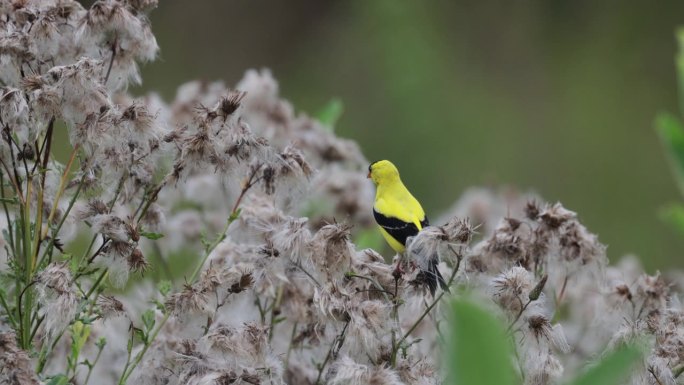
<point>432,277</point>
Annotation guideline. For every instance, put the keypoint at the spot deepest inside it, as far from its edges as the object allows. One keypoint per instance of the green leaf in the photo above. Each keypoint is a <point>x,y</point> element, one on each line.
<point>671,134</point>
<point>234,216</point>
<point>331,113</point>
<point>142,336</point>
<point>613,369</point>
<point>148,319</point>
<point>679,61</point>
<point>152,236</point>
<point>73,262</point>
<point>674,215</point>
<point>478,351</point>
<point>164,287</point>
<point>79,335</point>
<point>101,342</point>
<point>59,379</point>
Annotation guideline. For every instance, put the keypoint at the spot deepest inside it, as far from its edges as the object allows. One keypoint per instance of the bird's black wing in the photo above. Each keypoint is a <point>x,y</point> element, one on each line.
<point>395,227</point>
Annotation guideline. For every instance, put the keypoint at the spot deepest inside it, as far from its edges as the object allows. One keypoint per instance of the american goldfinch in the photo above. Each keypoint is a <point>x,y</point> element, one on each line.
<point>400,216</point>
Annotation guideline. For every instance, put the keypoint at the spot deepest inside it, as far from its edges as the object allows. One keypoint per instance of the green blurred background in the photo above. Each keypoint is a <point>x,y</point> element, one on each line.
<point>554,96</point>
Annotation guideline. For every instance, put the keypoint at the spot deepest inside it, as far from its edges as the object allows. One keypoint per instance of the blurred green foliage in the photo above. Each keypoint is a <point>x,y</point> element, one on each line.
<point>671,132</point>
<point>556,96</point>
<point>479,350</point>
<point>331,113</point>
<point>612,369</point>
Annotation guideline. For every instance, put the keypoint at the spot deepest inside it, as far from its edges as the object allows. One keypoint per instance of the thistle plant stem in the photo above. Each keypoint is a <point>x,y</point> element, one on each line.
<point>62,186</point>
<point>45,350</point>
<point>36,326</point>
<point>425,313</point>
<point>374,282</point>
<point>10,231</point>
<point>517,317</point>
<point>274,310</point>
<point>15,185</point>
<point>38,226</point>
<point>111,61</point>
<point>47,254</point>
<point>336,345</point>
<point>289,347</point>
<point>17,179</point>
<point>6,307</point>
<point>655,377</point>
<point>148,203</point>
<point>28,269</point>
<point>90,368</point>
<point>96,284</point>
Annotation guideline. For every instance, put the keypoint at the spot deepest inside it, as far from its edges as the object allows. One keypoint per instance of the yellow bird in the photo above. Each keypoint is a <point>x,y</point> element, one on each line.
<point>400,216</point>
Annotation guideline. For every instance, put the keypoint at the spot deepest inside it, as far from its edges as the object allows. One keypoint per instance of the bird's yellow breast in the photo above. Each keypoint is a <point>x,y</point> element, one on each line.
<point>394,244</point>
<point>394,200</point>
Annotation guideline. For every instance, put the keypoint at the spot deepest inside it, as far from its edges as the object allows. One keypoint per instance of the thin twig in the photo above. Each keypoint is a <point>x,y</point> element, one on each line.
<point>152,198</point>
<point>5,306</point>
<point>10,227</point>
<point>300,267</point>
<point>650,370</point>
<point>96,284</point>
<point>251,181</point>
<point>15,184</point>
<point>39,212</point>
<point>429,308</point>
<point>559,299</point>
<point>97,252</point>
<point>374,290</point>
<point>374,282</point>
<point>333,351</point>
<point>53,237</point>
<point>90,368</point>
<point>21,295</point>
<point>517,317</point>
<point>111,61</point>
<point>62,186</point>
<point>9,140</point>
<point>289,347</point>
<point>274,312</point>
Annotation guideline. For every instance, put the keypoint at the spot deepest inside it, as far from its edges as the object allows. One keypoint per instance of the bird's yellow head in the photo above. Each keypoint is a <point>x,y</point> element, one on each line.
<point>383,171</point>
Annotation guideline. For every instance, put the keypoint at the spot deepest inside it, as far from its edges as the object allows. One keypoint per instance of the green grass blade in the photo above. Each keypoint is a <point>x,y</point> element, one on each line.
<point>671,134</point>
<point>674,215</point>
<point>331,113</point>
<point>478,350</point>
<point>679,63</point>
<point>613,369</point>
<point>59,379</point>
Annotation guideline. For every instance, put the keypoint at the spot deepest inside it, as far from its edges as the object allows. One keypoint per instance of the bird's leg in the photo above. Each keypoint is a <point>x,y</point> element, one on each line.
<point>398,271</point>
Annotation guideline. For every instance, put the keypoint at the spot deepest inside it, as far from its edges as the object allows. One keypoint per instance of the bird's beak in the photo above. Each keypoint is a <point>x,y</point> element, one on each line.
<point>368,176</point>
